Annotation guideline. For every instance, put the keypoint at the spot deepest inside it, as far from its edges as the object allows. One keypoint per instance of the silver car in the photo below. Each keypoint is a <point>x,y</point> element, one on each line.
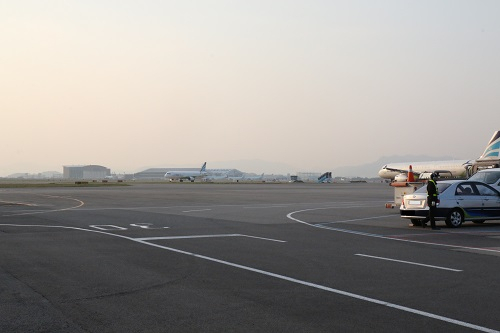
<point>462,200</point>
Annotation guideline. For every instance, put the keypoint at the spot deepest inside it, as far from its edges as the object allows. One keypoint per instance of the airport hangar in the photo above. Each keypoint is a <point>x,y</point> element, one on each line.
<point>85,172</point>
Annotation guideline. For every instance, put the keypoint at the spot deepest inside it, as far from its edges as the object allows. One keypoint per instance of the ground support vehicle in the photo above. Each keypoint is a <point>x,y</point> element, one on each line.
<point>400,190</point>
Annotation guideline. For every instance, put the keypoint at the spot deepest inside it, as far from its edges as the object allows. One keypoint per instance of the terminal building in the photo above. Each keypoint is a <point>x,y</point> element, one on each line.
<point>86,172</point>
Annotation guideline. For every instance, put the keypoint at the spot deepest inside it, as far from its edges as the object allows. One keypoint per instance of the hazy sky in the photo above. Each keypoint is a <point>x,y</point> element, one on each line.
<point>311,84</point>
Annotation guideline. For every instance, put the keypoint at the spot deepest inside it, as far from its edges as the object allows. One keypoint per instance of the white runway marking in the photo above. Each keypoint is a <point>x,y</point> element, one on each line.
<point>341,205</point>
<point>207,236</point>
<point>265,207</point>
<point>355,220</point>
<point>196,210</point>
<point>17,203</point>
<point>107,227</point>
<point>409,262</point>
<point>285,278</point>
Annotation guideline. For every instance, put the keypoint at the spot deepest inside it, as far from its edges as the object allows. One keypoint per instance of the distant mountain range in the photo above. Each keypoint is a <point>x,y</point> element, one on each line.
<point>370,170</point>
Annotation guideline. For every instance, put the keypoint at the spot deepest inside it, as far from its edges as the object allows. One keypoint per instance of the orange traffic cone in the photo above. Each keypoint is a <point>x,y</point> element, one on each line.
<point>411,177</point>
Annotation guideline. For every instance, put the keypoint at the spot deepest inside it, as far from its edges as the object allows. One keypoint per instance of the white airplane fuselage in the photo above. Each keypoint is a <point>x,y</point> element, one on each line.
<point>452,168</point>
<point>456,168</point>
<point>173,175</point>
<point>189,175</point>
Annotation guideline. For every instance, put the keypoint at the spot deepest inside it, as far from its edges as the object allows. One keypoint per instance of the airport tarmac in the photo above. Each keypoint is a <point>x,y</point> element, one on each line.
<point>184,257</point>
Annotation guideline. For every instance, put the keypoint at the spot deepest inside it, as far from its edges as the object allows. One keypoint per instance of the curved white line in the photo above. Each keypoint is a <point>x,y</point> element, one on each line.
<point>81,203</point>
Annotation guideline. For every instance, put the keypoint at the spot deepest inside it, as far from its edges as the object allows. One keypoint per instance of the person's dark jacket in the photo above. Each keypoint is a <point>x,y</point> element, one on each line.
<point>432,192</point>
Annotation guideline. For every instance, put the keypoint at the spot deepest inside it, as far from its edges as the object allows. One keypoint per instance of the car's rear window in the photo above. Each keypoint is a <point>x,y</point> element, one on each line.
<point>441,188</point>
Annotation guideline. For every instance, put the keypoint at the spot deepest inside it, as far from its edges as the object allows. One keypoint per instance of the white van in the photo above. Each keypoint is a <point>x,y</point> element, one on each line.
<point>488,176</point>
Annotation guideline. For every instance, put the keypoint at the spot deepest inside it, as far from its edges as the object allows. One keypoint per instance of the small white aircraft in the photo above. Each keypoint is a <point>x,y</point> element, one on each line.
<point>189,175</point>
<point>451,168</point>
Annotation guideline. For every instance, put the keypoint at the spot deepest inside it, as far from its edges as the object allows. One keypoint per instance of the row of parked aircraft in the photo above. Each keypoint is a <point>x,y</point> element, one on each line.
<point>393,171</point>
<point>182,175</point>
<point>451,168</point>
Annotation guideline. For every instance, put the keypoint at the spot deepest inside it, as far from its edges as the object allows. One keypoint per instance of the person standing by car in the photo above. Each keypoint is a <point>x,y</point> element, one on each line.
<point>432,200</point>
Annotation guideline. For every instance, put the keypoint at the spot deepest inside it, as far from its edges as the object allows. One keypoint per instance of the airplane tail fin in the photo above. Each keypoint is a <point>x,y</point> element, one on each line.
<point>204,167</point>
<point>492,151</point>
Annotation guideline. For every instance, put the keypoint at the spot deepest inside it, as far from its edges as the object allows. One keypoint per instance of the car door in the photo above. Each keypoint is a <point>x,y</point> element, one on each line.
<point>490,199</point>
<point>469,200</point>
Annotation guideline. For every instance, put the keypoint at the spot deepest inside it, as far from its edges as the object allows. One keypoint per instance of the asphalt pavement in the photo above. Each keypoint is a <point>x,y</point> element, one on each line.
<point>196,257</point>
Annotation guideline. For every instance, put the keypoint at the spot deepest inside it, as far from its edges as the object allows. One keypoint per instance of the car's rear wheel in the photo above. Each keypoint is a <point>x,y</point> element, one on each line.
<point>455,218</point>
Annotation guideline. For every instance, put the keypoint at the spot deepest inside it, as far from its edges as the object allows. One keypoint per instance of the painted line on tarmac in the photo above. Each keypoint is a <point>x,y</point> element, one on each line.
<point>355,220</point>
<point>107,227</point>
<point>264,207</point>
<point>15,203</point>
<point>244,206</point>
<point>285,278</point>
<point>207,236</point>
<point>197,210</point>
<point>359,233</point>
<point>409,262</point>
<point>80,204</point>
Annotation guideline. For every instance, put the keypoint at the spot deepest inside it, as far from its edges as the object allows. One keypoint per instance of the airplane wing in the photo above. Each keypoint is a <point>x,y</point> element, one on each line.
<point>398,170</point>
<point>426,173</point>
<point>440,173</point>
<point>405,171</point>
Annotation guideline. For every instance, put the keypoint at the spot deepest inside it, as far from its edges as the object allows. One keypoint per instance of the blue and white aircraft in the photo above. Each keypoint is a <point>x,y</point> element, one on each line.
<point>451,168</point>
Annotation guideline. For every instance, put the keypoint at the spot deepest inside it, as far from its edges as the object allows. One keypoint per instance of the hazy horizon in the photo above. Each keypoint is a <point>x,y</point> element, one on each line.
<point>313,85</point>
<point>369,169</point>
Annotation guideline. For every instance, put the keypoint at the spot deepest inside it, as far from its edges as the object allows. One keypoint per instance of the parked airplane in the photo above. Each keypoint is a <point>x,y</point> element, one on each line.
<point>189,175</point>
<point>452,168</point>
